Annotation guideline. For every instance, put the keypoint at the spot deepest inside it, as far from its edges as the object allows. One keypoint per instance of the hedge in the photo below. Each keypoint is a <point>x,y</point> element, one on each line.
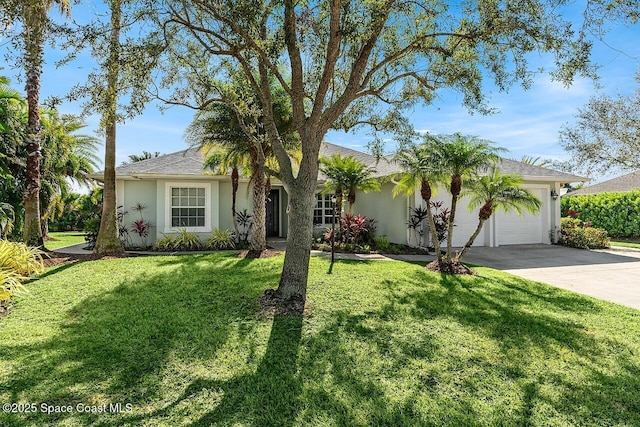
<point>618,213</point>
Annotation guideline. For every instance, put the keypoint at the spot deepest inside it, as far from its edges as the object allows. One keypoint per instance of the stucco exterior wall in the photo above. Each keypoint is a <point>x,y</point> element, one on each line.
<point>390,212</point>
<point>244,200</point>
<point>139,192</point>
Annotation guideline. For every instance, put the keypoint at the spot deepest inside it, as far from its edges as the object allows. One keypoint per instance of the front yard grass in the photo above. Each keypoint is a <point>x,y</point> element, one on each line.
<point>61,239</point>
<point>627,243</point>
<point>181,339</point>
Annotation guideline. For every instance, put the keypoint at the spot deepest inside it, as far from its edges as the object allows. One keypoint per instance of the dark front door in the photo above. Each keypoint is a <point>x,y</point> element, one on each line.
<point>273,214</point>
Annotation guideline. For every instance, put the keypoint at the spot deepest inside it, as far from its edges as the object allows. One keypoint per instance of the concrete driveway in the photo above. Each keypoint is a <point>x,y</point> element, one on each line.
<point>609,275</point>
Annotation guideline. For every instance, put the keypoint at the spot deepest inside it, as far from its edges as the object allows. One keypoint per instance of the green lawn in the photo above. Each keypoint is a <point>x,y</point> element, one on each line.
<point>62,239</point>
<point>180,339</point>
<point>627,243</point>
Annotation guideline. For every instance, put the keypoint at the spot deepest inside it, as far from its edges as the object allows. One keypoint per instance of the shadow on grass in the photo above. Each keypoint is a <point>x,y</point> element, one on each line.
<point>266,397</point>
<point>391,346</point>
<point>115,346</point>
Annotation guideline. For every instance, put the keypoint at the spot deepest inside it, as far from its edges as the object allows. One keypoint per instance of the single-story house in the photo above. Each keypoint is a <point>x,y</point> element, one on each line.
<point>621,184</point>
<point>179,194</point>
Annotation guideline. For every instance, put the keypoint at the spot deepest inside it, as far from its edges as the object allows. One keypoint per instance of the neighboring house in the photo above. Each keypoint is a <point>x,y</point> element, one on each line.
<point>621,184</point>
<point>180,195</point>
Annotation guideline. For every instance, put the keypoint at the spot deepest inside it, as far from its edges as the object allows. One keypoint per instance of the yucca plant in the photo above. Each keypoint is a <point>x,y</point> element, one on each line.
<point>220,240</point>
<point>187,241</point>
<point>167,243</point>
<point>17,262</point>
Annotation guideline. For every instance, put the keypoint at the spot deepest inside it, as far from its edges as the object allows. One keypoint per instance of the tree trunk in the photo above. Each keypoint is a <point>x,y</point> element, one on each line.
<point>351,197</point>
<point>44,225</point>
<point>434,232</point>
<point>258,229</point>
<point>456,185</point>
<point>485,213</point>
<point>235,178</point>
<point>108,241</point>
<point>471,239</point>
<point>295,271</point>
<point>426,192</point>
<point>34,20</point>
<point>292,288</point>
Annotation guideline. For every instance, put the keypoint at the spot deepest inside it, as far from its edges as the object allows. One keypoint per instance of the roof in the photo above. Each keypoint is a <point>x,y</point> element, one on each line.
<point>189,162</point>
<point>624,183</point>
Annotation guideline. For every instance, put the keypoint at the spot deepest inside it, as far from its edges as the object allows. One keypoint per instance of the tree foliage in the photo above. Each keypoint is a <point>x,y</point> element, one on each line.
<point>462,158</point>
<point>343,64</point>
<point>65,155</point>
<point>146,155</point>
<point>346,174</point>
<point>606,134</point>
<point>232,135</point>
<point>496,191</point>
<point>421,171</point>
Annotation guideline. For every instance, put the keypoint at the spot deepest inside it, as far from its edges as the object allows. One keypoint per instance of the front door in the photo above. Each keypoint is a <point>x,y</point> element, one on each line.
<point>273,214</point>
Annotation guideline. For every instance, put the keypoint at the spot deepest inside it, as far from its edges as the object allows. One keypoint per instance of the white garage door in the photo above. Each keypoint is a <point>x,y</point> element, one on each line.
<point>466,221</point>
<point>513,229</point>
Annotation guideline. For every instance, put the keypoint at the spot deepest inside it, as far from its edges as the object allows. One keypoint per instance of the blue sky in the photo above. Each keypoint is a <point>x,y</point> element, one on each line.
<point>527,123</point>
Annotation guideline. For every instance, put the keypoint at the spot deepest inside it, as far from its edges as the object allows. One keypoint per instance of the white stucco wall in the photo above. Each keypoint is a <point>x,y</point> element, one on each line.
<point>390,212</point>
<point>130,193</point>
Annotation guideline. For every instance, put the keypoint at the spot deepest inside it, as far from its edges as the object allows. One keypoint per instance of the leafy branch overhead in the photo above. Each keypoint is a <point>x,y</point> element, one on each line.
<point>606,134</point>
<point>341,64</point>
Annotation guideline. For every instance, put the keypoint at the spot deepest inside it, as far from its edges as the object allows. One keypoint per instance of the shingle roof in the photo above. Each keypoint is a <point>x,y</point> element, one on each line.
<point>530,171</point>
<point>190,162</point>
<point>623,183</point>
<point>185,162</point>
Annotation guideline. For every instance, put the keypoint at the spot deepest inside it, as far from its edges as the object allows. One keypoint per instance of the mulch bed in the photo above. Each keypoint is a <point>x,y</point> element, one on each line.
<point>267,253</point>
<point>271,304</point>
<point>55,259</point>
<point>454,267</point>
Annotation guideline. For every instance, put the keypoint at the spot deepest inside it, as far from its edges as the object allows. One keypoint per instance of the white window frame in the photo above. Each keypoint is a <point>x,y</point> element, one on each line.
<point>326,219</point>
<point>168,228</point>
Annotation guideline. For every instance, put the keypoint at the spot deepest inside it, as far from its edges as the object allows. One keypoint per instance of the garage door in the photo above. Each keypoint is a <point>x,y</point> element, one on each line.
<point>513,229</point>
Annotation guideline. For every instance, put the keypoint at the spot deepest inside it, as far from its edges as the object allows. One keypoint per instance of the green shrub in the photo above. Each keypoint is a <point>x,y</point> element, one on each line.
<point>167,243</point>
<point>618,213</point>
<point>220,240</point>
<point>183,241</point>
<point>577,234</point>
<point>17,262</point>
<point>382,244</point>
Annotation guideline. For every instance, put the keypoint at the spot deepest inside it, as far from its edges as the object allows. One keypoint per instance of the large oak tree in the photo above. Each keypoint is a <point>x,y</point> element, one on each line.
<point>343,63</point>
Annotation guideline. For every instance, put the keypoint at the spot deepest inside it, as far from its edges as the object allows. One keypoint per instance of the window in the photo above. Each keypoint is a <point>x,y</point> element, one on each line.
<point>323,212</point>
<point>188,207</point>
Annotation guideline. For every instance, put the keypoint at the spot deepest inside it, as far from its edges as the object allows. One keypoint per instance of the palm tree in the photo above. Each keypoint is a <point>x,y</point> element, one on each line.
<point>12,118</point>
<point>347,175</point>
<point>65,155</point>
<point>223,159</point>
<point>35,20</point>
<point>235,140</point>
<point>146,155</point>
<point>8,98</point>
<point>495,191</point>
<point>462,157</point>
<point>421,169</point>
<point>534,161</point>
<point>108,240</point>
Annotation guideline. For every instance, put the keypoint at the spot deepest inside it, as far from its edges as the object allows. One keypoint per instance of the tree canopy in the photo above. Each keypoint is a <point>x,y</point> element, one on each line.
<point>606,134</point>
<point>347,63</point>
